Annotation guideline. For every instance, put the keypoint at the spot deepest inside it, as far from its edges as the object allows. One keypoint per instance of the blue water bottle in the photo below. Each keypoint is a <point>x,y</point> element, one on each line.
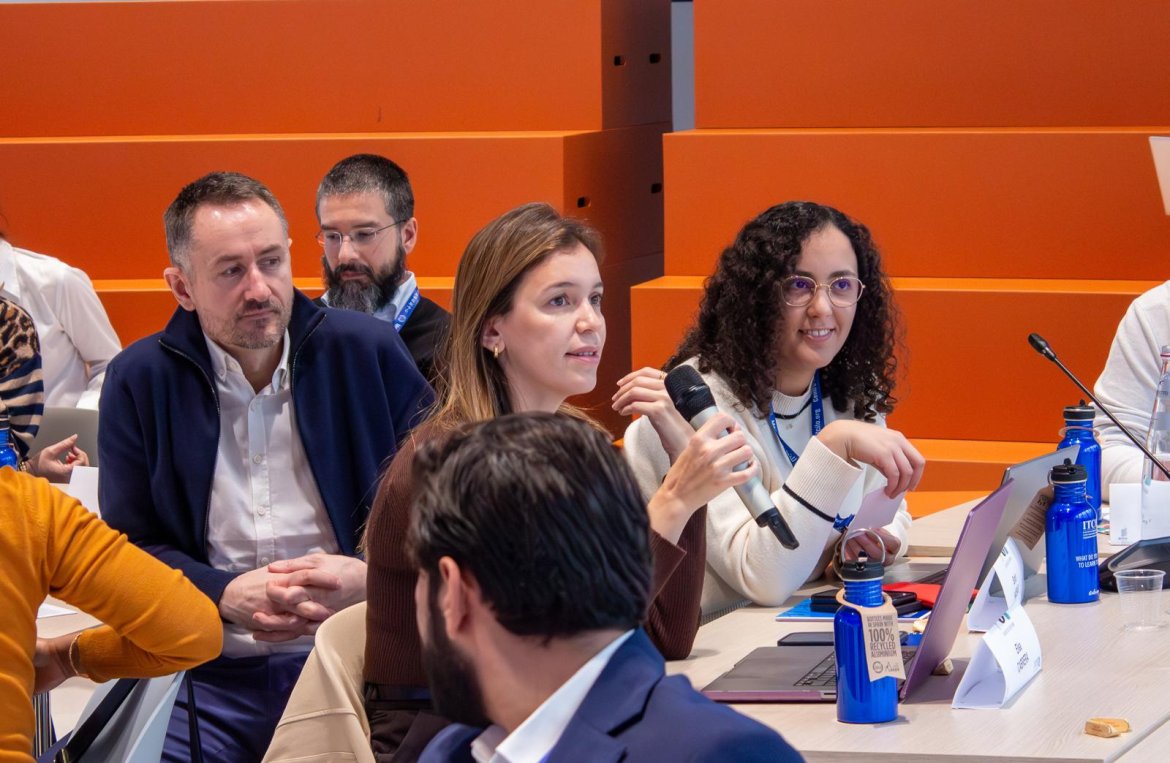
<point>8,455</point>
<point>860,700</point>
<point>1070,538</point>
<point>1078,430</point>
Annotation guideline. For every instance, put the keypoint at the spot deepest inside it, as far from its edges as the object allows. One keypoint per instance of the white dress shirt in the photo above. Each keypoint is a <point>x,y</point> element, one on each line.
<point>77,340</point>
<point>538,734</point>
<point>265,505</point>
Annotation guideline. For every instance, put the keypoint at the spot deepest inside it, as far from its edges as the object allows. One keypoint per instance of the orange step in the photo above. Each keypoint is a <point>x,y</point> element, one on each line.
<point>917,63</point>
<point>239,66</point>
<point>98,203</point>
<point>922,503</point>
<point>968,465</point>
<point>967,372</point>
<point>958,203</point>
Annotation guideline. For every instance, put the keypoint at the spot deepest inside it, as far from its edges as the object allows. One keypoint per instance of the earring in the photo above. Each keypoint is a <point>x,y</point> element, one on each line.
<point>496,352</point>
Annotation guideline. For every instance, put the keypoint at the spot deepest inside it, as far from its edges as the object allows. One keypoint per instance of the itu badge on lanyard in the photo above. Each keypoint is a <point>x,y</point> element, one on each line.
<point>818,423</point>
<point>407,309</point>
<point>818,420</point>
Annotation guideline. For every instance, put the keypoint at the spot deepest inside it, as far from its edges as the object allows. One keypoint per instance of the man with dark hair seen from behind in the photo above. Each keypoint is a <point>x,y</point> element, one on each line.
<point>365,207</point>
<point>242,445</point>
<point>533,547</point>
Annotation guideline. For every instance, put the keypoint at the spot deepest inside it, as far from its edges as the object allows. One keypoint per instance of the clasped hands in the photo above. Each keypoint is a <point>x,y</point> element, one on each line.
<point>290,598</point>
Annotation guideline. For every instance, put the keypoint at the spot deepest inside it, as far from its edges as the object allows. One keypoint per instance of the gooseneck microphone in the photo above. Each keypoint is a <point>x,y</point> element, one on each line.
<point>693,399</point>
<point>1040,345</point>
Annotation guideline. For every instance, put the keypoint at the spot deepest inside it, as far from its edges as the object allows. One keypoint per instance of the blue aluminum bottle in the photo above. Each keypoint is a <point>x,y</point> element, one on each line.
<point>1070,538</point>
<point>1078,430</point>
<point>8,455</point>
<point>860,700</point>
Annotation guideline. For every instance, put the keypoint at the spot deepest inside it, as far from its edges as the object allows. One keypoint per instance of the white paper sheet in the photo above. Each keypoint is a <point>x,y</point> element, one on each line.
<point>1009,570</point>
<point>1125,513</point>
<point>83,485</point>
<point>1155,509</point>
<point>876,510</point>
<point>53,610</point>
<point>1160,148</point>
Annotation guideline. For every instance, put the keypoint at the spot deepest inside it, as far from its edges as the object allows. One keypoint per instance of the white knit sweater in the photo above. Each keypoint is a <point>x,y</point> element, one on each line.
<point>745,561</point>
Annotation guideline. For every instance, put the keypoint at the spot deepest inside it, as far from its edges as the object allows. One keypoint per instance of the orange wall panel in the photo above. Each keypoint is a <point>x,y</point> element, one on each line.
<point>98,204</point>
<point>967,371</point>
<point>241,66</point>
<point>986,203</point>
<point>140,307</point>
<point>919,63</point>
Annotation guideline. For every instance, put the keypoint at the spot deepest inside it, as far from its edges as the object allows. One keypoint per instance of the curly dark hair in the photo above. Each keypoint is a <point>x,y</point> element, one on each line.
<point>735,332</point>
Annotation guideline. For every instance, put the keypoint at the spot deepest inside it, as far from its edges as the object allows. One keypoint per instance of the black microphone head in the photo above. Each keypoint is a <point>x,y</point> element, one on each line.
<point>1040,345</point>
<point>687,390</point>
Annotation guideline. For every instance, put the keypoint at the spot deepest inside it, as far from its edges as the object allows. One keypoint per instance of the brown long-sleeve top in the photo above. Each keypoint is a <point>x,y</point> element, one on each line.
<point>393,649</point>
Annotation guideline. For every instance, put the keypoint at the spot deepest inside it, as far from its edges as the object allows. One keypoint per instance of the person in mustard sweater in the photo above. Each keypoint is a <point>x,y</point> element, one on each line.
<point>156,621</point>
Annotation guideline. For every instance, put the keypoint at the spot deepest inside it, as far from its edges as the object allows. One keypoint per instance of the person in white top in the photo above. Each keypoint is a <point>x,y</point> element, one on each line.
<point>533,548</point>
<point>77,340</point>
<point>1127,383</point>
<point>795,336</point>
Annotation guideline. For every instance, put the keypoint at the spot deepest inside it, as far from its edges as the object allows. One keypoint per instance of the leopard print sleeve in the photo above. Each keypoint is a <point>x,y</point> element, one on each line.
<point>22,388</point>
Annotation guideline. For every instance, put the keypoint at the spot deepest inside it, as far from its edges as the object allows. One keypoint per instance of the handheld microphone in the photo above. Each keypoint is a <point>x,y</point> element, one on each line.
<point>1040,345</point>
<point>693,399</point>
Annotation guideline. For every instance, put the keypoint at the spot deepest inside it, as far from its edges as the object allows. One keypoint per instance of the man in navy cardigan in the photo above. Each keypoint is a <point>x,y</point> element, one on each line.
<point>533,547</point>
<point>242,445</point>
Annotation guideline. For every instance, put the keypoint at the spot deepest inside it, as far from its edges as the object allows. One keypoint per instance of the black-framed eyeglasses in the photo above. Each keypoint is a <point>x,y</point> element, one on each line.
<point>361,238</point>
<point>799,291</point>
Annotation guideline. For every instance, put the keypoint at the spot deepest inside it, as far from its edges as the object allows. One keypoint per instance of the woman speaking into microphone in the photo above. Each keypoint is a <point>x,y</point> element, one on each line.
<point>795,337</point>
<point>527,332</point>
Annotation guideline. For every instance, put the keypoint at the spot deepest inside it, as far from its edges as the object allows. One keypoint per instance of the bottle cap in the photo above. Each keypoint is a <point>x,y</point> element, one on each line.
<point>1068,472</point>
<point>862,569</point>
<point>1080,412</point>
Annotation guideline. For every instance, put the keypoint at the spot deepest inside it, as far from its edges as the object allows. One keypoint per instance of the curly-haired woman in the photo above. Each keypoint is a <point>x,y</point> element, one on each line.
<point>795,336</point>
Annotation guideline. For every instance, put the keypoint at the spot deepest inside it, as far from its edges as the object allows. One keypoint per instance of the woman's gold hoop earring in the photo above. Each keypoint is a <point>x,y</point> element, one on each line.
<point>496,352</point>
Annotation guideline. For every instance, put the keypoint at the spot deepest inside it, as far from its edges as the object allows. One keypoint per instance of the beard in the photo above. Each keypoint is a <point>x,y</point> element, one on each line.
<point>368,296</point>
<point>455,689</point>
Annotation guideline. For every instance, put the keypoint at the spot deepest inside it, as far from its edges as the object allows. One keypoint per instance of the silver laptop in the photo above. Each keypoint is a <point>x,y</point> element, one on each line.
<point>807,673</point>
<point>57,423</point>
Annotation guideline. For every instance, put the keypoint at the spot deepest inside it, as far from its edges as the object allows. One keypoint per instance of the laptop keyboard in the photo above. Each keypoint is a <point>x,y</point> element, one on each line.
<point>824,673</point>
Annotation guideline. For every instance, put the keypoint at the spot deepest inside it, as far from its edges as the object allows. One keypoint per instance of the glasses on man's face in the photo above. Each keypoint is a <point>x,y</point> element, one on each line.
<point>799,291</point>
<point>359,238</point>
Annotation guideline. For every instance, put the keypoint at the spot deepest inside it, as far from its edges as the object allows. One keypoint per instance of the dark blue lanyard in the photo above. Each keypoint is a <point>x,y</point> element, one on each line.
<point>407,309</point>
<point>818,420</point>
<point>818,423</point>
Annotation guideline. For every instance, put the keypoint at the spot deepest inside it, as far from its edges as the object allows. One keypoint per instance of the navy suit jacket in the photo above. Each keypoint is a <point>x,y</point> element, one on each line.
<point>635,713</point>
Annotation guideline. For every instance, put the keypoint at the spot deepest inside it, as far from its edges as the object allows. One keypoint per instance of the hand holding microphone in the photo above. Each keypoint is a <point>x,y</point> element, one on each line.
<point>694,401</point>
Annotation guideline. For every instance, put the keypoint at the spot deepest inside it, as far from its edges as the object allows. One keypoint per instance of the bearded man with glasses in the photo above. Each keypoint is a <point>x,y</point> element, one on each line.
<point>365,207</point>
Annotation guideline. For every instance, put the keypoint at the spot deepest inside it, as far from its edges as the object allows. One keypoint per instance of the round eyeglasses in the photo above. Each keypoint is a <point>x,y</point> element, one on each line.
<point>799,291</point>
<point>360,238</point>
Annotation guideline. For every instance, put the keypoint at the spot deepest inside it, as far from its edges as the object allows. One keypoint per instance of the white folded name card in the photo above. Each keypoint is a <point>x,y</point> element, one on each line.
<point>1008,657</point>
<point>1009,571</point>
